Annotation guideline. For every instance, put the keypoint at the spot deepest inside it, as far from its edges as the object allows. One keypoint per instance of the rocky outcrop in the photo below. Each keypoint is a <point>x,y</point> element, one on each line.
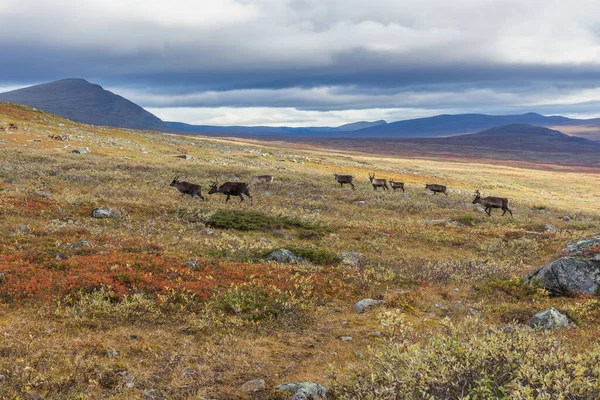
<point>364,304</point>
<point>304,390</point>
<point>104,212</point>
<point>577,272</point>
<point>353,259</point>
<point>550,318</point>
<point>283,256</point>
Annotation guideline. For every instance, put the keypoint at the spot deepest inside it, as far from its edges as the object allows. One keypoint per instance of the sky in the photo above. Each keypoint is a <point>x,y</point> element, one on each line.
<point>313,62</point>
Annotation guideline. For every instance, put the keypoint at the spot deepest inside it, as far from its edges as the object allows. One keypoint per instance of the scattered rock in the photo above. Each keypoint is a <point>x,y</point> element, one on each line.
<point>11,180</point>
<point>111,353</point>
<point>2,277</point>
<point>189,372</point>
<point>376,333</point>
<point>81,150</point>
<point>474,312</point>
<point>551,228</point>
<point>283,256</point>
<point>80,244</point>
<point>304,390</point>
<point>2,378</point>
<point>360,202</point>
<point>186,157</point>
<point>550,318</point>
<point>578,272</point>
<point>346,338</point>
<point>353,259</point>
<point>152,394</point>
<point>104,212</point>
<point>364,304</point>
<point>318,197</point>
<point>191,264</point>
<point>479,209</point>
<point>360,356</point>
<point>253,386</point>
<point>44,193</point>
<point>282,235</point>
<point>22,228</point>
<point>566,218</point>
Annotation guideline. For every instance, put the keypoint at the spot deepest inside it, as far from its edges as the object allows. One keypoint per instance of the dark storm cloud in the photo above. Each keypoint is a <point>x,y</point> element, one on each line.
<point>309,54</point>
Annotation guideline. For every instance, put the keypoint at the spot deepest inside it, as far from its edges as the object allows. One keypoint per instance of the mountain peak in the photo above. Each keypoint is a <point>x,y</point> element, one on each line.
<point>82,101</point>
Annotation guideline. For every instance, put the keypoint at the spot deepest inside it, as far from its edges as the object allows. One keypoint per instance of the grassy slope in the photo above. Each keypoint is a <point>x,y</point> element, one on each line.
<point>208,347</point>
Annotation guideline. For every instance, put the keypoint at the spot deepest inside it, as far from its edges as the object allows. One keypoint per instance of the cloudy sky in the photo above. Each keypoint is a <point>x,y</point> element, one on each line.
<point>313,62</point>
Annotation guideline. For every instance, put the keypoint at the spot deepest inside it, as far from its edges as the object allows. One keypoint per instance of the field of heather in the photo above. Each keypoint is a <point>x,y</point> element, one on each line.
<point>174,298</point>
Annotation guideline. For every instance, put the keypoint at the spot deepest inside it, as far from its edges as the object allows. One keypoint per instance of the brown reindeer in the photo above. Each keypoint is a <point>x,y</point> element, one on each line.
<point>397,185</point>
<point>268,179</point>
<point>436,188</point>
<point>382,183</point>
<point>188,188</point>
<point>231,189</point>
<point>341,179</point>
<point>492,202</point>
<point>13,126</point>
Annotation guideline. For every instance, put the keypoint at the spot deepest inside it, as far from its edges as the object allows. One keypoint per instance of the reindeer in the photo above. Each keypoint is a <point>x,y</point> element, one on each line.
<point>13,126</point>
<point>231,189</point>
<point>397,185</point>
<point>382,183</point>
<point>341,179</point>
<point>436,188</point>
<point>268,179</point>
<point>492,202</point>
<point>188,188</point>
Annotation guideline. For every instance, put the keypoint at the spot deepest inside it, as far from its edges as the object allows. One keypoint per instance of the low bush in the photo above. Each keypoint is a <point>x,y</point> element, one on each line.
<point>253,221</point>
<point>474,361</point>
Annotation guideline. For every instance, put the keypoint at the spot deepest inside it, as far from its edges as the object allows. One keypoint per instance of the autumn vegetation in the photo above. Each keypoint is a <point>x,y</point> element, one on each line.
<point>174,298</point>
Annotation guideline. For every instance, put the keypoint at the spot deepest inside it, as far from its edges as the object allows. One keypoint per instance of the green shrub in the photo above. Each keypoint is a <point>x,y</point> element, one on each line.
<point>474,361</point>
<point>315,255</point>
<point>253,221</point>
<point>467,220</point>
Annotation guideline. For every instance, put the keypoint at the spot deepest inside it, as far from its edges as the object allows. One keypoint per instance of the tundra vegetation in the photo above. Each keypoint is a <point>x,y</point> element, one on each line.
<point>172,298</point>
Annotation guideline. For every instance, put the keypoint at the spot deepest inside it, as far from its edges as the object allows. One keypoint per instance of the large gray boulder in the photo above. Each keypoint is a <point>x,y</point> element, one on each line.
<point>353,259</point>
<point>283,256</point>
<point>550,318</point>
<point>577,272</point>
<point>364,304</point>
<point>105,212</point>
<point>304,390</point>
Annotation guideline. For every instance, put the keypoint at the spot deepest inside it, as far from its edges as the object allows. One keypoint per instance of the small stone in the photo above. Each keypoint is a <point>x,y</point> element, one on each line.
<point>304,390</point>
<point>549,318</point>
<point>80,244</point>
<point>253,386</point>
<point>11,180</point>
<point>282,235</point>
<point>346,338</point>
<point>44,193</point>
<point>317,198</point>
<point>186,157</point>
<point>474,312</point>
<point>360,202</point>
<point>189,372</point>
<point>104,212</point>
<point>191,264</point>
<point>81,150</point>
<point>364,304</point>
<point>152,394</point>
<point>551,228</point>
<point>111,353</point>
<point>479,209</point>
<point>283,256</point>
<point>566,218</point>
<point>2,378</point>
<point>376,333</point>
<point>22,228</point>
<point>353,259</point>
<point>360,356</point>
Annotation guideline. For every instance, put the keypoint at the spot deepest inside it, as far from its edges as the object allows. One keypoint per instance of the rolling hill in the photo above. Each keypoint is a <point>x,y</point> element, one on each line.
<point>82,101</point>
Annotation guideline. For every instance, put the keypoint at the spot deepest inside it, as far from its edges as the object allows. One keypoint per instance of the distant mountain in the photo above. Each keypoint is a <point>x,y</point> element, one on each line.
<point>81,101</point>
<point>522,137</point>
<point>450,125</point>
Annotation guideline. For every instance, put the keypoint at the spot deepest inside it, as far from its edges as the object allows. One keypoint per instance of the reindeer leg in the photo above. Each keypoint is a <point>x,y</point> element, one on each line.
<point>488,210</point>
<point>509,211</point>
<point>241,198</point>
<point>353,188</point>
<point>227,199</point>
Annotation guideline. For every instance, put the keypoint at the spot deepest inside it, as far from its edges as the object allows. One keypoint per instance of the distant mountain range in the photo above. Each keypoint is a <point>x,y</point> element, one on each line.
<point>81,101</point>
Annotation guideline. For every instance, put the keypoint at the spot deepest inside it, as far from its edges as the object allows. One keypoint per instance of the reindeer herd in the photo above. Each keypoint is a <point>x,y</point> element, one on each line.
<point>241,189</point>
